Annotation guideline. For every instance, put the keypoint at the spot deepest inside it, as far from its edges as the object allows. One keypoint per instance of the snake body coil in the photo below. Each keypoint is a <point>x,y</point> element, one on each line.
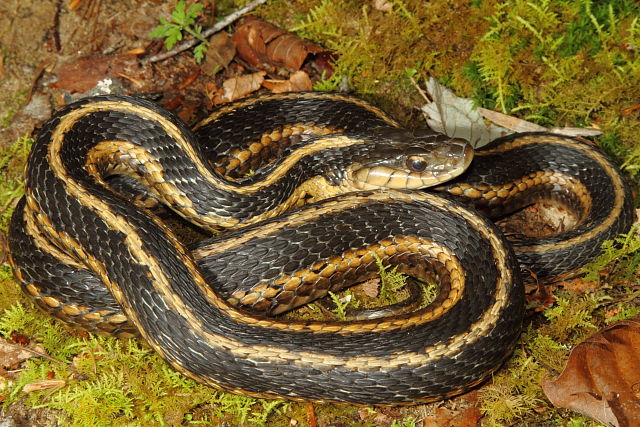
<point>87,254</point>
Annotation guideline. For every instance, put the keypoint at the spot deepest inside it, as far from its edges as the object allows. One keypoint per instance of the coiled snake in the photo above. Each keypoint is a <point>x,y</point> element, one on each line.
<point>311,219</point>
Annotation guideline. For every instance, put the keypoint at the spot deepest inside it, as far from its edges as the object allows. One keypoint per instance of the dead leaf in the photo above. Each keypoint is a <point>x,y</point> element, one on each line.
<point>84,73</point>
<point>220,52</point>
<point>542,298</point>
<point>579,286</point>
<point>629,110</point>
<point>463,411</point>
<point>458,118</point>
<point>602,379</point>
<point>12,355</point>
<point>189,80</point>
<point>510,122</point>
<point>382,5</point>
<point>135,51</point>
<point>371,288</point>
<point>444,417</point>
<point>312,419</point>
<point>266,46</point>
<point>43,385</point>
<point>238,87</point>
<point>298,81</point>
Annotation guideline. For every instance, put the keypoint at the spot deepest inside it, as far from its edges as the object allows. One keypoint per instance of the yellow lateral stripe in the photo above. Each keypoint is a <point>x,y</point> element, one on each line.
<point>618,187</point>
<point>301,95</point>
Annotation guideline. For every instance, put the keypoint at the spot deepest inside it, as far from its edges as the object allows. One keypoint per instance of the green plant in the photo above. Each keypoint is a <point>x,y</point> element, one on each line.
<point>14,319</point>
<point>407,422</point>
<point>620,258</point>
<point>12,159</point>
<point>341,305</point>
<point>182,21</point>
<point>391,280</point>
<point>96,403</point>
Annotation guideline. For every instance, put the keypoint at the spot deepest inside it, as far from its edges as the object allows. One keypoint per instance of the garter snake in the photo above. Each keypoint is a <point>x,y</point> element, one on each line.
<point>303,226</point>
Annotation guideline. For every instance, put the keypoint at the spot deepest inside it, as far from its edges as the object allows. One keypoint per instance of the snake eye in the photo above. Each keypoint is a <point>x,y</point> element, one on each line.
<point>416,163</point>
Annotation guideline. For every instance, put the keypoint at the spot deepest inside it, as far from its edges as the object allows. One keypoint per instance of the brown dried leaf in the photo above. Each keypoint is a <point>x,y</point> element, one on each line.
<point>298,81</point>
<point>12,355</point>
<point>238,87</point>
<point>312,419</point>
<point>371,288</point>
<point>602,379</point>
<point>579,286</point>
<point>510,122</point>
<point>445,417</point>
<point>266,46</point>
<point>43,385</point>
<point>220,52</point>
<point>463,411</point>
<point>539,296</point>
<point>82,74</point>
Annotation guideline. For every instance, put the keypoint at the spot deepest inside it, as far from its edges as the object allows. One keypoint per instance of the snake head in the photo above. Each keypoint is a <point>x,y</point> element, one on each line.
<point>401,160</point>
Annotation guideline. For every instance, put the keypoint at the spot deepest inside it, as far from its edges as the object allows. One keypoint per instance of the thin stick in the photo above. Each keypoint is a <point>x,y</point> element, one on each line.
<point>187,44</point>
<point>419,89</point>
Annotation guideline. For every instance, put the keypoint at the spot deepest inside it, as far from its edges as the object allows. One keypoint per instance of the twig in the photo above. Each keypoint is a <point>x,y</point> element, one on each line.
<point>31,350</point>
<point>419,89</point>
<point>187,44</point>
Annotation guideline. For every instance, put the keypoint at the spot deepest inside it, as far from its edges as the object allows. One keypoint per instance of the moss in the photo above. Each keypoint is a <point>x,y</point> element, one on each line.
<point>11,107</point>
<point>619,261</point>
<point>12,160</point>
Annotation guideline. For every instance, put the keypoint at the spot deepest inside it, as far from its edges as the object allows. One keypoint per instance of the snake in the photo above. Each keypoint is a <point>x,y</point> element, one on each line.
<point>302,193</point>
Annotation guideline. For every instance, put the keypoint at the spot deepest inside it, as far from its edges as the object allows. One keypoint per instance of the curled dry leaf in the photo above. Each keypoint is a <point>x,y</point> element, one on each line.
<point>220,52</point>
<point>237,87</point>
<point>458,117</point>
<point>267,47</point>
<point>602,376</point>
<point>519,125</point>
<point>298,81</point>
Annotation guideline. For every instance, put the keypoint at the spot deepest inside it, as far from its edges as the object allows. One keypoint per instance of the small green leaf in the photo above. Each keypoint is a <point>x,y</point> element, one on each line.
<point>193,12</point>
<point>172,40</point>
<point>199,51</point>
<point>178,13</point>
<point>410,72</point>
